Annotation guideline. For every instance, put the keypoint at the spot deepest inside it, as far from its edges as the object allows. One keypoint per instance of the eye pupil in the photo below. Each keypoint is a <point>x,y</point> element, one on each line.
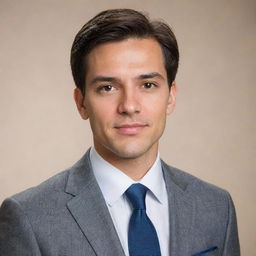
<point>108,87</point>
<point>148,85</point>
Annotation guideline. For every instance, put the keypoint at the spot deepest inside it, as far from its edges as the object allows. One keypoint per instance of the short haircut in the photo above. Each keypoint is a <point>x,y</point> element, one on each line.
<point>116,25</point>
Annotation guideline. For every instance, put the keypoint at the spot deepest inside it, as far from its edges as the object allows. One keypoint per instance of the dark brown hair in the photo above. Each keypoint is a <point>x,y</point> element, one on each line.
<point>116,25</point>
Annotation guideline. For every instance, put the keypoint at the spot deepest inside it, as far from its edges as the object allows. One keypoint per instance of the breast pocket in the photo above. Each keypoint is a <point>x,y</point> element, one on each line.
<point>212,251</point>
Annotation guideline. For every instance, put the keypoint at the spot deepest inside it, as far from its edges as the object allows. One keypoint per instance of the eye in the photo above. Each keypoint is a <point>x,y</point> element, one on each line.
<point>106,88</point>
<point>149,85</point>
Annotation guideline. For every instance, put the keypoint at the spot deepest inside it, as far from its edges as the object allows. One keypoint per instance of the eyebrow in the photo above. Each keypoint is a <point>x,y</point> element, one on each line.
<point>104,79</point>
<point>114,79</point>
<point>151,75</point>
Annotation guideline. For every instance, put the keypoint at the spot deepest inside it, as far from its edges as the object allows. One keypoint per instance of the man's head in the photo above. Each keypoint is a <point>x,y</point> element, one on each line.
<point>117,25</point>
<point>124,68</point>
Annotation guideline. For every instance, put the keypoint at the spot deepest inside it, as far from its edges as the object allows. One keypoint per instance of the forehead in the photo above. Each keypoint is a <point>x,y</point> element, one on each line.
<point>127,57</point>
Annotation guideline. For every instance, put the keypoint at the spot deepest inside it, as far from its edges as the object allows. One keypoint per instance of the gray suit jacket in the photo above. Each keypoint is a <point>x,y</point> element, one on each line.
<point>67,216</point>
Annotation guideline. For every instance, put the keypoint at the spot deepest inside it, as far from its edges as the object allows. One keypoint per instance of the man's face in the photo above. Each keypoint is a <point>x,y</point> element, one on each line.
<point>127,97</point>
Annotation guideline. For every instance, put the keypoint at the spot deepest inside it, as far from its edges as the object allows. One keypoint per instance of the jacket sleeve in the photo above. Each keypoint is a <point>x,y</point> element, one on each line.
<point>231,244</point>
<point>16,235</point>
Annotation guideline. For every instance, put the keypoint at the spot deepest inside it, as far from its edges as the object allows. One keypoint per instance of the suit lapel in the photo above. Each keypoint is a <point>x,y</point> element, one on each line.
<point>89,210</point>
<point>181,213</point>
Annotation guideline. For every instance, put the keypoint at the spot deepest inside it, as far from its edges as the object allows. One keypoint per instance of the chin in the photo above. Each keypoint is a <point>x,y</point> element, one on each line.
<point>127,155</point>
<point>129,151</point>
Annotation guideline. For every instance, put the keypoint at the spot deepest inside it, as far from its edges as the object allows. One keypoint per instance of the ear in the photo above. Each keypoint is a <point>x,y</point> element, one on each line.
<point>79,99</point>
<point>172,99</point>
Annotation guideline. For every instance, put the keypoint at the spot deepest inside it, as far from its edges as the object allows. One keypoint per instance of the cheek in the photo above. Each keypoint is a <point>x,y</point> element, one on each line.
<point>158,107</point>
<point>100,117</point>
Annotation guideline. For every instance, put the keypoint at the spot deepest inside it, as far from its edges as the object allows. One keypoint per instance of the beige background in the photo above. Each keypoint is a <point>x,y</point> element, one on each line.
<point>211,134</point>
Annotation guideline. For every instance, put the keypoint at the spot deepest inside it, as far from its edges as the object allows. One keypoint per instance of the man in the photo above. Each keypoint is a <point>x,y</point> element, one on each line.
<point>120,198</point>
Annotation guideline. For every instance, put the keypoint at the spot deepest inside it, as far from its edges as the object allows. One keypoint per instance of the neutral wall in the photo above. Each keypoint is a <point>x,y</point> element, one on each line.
<point>211,134</point>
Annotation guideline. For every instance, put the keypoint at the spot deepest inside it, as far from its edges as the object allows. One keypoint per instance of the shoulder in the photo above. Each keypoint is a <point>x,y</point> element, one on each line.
<point>194,186</point>
<point>25,212</point>
<point>42,196</point>
<point>209,202</point>
<point>55,192</point>
<point>56,189</point>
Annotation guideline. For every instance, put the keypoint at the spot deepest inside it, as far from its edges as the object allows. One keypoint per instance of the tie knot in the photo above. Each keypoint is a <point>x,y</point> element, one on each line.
<point>136,194</point>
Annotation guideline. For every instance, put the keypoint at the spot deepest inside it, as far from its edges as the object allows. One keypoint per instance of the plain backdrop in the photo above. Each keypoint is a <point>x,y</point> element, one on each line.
<point>211,134</point>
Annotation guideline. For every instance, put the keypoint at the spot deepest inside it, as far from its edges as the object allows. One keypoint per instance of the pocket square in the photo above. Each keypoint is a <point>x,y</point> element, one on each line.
<point>206,251</point>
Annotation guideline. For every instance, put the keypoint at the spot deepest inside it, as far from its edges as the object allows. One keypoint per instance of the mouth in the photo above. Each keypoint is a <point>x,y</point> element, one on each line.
<point>130,128</point>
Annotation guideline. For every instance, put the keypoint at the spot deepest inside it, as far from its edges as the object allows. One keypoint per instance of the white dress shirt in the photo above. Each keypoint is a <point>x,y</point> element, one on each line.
<point>113,183</point>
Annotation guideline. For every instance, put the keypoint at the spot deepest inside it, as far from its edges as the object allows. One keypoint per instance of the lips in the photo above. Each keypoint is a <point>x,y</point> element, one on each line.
<point>130,128</point>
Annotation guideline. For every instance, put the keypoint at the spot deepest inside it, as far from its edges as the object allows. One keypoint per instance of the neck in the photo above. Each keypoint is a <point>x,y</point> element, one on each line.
<point>135,167</point>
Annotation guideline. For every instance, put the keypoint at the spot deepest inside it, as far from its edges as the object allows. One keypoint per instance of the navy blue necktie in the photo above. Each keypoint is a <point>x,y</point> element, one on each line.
<point>142,236</point>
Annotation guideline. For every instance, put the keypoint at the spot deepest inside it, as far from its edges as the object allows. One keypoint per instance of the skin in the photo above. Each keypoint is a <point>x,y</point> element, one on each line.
<point>127,100</point>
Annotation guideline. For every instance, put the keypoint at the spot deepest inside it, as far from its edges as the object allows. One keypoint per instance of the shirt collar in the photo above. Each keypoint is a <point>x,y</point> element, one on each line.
<point>113,182</point>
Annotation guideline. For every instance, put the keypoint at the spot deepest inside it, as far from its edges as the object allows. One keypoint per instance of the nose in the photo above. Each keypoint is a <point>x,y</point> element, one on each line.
<point>129,103</point>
